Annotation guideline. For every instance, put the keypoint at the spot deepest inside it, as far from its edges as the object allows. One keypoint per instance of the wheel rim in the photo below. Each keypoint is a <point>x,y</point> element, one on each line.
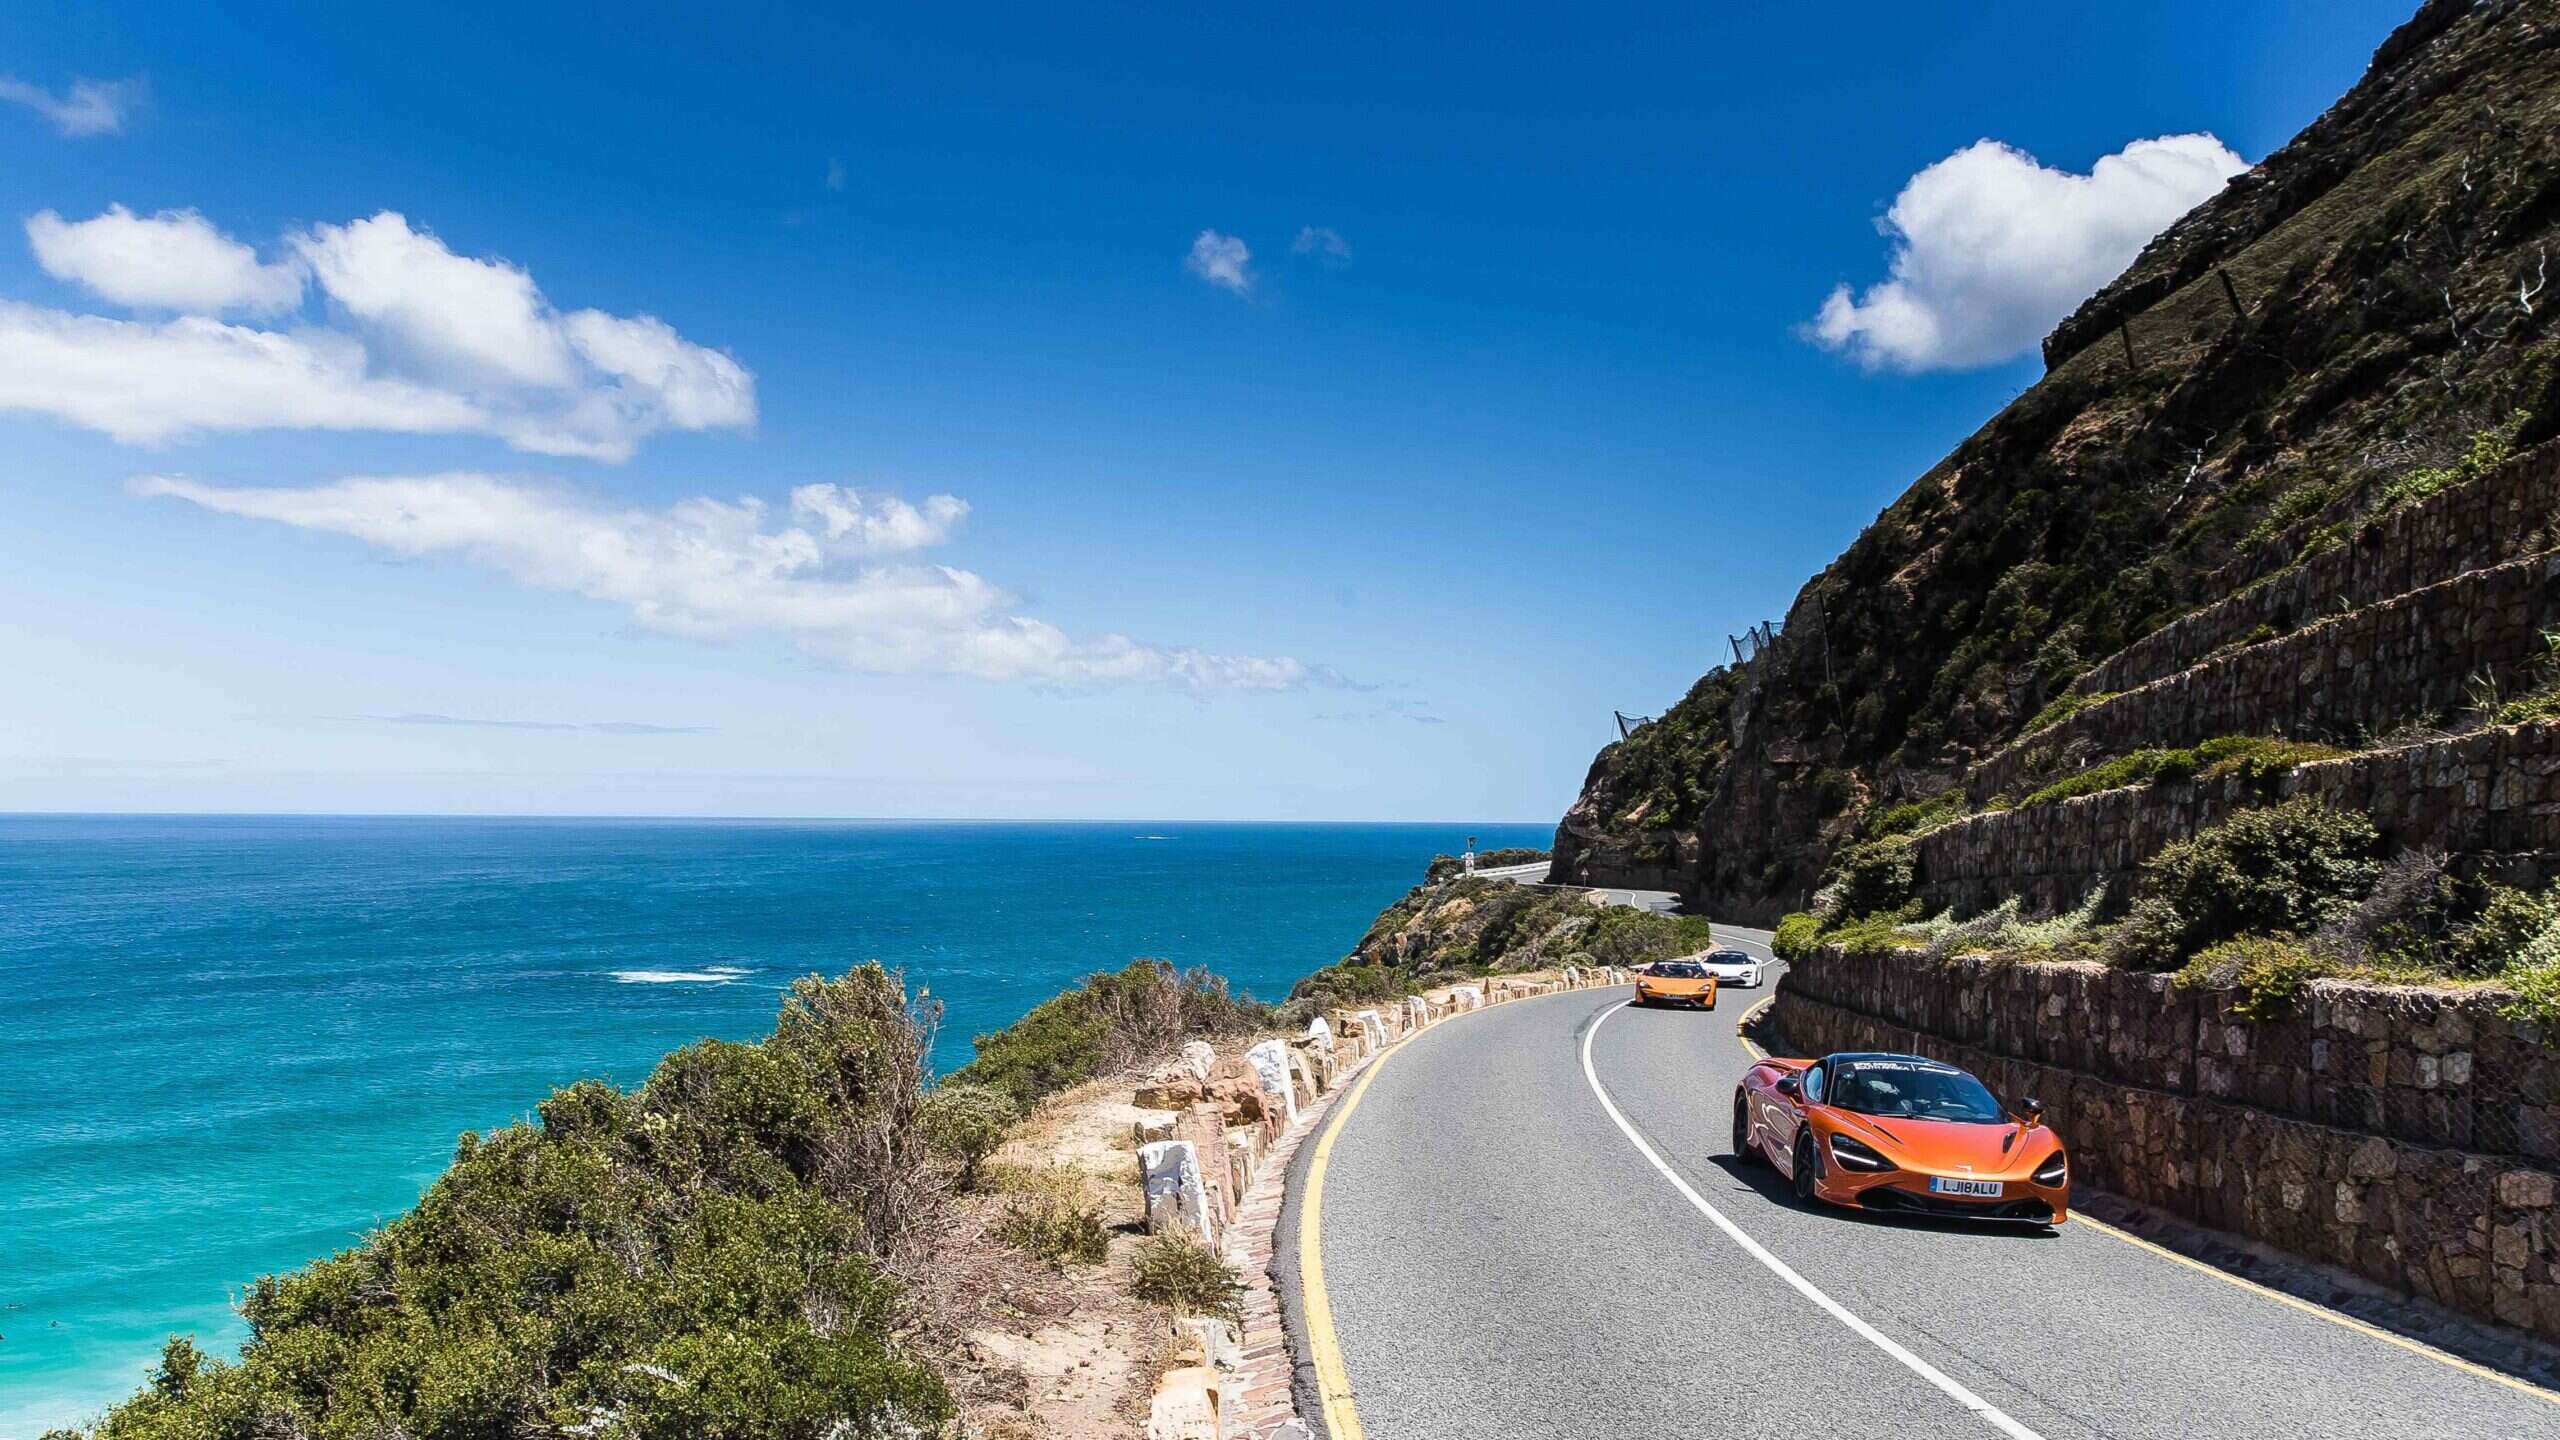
<point>1804,1169</point>
<point>1741,1126</point>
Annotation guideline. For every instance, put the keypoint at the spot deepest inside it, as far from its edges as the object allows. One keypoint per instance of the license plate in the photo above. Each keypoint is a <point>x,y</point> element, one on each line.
<point>1985,1189</point>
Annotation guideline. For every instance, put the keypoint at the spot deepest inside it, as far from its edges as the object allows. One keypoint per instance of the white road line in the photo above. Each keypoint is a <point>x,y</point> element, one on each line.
<point>1991,1414</point>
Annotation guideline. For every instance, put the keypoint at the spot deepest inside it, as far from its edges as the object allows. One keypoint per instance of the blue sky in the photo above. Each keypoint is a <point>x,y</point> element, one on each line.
<point>1515,405</point>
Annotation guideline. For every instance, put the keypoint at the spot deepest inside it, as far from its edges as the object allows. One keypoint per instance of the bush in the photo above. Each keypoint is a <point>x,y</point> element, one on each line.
<point>1105,1025</point>
<point>1913,817</point>
<point>2286,869</point>
<point>1056,1229</point>
<point>2489,449</point>
<point>1795,936</point>
<point>2257,760</point>
<point>1872,935</point>
<point>1873,876</point>
<point>700,1258</point>
<point>2269,971</point>
<point>1178,1271</point>
<point>2509,922</point>
<point>2062,707</point>
<point>967,1122</point>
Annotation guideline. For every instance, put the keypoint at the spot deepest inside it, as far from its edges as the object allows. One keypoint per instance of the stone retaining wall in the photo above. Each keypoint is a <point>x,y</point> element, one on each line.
<point>2503,516</point>
<point>2367,671</point>
<point>1215,1139</point>
<point>2492,796</point>
<point>2411,1136</point>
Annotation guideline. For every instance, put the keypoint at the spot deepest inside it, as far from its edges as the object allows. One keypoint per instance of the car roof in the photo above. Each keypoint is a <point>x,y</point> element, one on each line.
<point>1889,1055</point>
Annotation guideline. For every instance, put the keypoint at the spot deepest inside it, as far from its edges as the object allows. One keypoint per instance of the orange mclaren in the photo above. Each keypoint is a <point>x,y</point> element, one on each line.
<point>1676,982</point>
<point>1901,1133</point>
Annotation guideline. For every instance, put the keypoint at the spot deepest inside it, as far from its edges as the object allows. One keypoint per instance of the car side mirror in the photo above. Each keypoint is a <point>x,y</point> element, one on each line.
<point>1787,1085</point>
<point>2031,1110</point>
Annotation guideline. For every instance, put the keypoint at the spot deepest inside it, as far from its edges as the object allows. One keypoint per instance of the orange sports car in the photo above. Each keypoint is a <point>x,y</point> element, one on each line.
<point>1676,982</point>
<point>1901,1133</point>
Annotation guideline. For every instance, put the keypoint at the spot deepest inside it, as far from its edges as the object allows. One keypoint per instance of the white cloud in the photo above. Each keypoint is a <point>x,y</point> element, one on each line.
<point>429,341</point>
<point>1992,249</point>
<point>89,107</point>
<point>721,570</point>
<point>147,382</point>
<point>1323,242</point>
<point>174,260</point>
<point>468,320</point>
<point>1221,260</point>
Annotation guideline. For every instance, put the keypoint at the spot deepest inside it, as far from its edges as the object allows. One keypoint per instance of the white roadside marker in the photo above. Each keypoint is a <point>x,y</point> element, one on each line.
<point>1992,1415</point>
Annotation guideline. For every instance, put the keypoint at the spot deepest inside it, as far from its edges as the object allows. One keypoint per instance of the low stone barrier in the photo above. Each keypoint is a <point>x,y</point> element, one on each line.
<point>2410,1136</point>
<point>1213,1157</point>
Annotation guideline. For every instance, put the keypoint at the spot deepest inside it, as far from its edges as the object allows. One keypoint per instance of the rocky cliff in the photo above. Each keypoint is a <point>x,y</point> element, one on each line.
<point>2358,326</point>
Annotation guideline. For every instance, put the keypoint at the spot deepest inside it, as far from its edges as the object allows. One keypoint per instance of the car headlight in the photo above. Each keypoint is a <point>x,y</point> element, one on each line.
<point>2054,1170</point>
<point>1857,1155</point>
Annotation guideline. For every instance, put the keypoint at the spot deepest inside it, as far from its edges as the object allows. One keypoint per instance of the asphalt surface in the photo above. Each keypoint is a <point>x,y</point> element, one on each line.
<point>1660,902</point>
<point>1502,1261</point>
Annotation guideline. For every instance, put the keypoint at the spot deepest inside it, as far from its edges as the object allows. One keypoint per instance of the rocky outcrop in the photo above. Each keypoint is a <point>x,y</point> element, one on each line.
<point>2336,326</point>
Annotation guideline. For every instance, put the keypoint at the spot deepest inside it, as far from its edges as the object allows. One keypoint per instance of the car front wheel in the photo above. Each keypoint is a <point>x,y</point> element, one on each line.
<point>1743,1149</point>
<point>1808,1166</point>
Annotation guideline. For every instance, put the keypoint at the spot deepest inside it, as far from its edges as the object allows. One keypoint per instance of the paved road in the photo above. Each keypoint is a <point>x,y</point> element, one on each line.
<point>1660,902</point>
<point>1505,1262</point>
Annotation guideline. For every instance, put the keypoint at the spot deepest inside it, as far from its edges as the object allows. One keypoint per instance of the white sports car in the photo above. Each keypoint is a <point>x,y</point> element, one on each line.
<point>1732,967</point>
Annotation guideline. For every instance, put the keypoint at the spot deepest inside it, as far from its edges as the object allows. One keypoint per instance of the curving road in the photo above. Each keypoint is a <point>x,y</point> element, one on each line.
<point>1504,1259</point>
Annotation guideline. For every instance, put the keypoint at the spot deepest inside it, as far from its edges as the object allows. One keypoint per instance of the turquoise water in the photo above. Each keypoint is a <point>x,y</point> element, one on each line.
<point>231,1044</point>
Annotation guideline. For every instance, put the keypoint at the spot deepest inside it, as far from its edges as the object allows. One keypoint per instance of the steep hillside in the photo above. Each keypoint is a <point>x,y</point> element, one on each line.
<point>2282,383</point>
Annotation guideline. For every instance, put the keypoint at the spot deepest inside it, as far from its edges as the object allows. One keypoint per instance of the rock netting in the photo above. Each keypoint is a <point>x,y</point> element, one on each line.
<point>2367,671</point>
<point>2411,1136</point>
<point>2492,797</point>
<point>2504,516</point>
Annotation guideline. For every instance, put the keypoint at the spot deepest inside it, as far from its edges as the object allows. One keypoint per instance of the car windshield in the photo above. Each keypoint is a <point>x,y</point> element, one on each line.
<point>1911,1089</point>
<point>1728,957</point>
<point>1676,970</point>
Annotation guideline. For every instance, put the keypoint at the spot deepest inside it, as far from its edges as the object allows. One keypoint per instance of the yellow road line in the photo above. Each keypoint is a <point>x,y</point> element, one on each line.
<point>2414,1347</point>
<point>1333,1377</point>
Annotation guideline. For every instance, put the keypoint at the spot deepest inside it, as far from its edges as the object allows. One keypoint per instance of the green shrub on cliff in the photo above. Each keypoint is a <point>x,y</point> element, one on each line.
<point>2257,760</point>
<point>967,1122</point>
<point>701,1257</point>
<point>2284,869</point>
<point>1111,1021</point>
<point>1914,817</point>
<point>1795,935</point>
<point>2270,973</point>
<point>1869,877</point>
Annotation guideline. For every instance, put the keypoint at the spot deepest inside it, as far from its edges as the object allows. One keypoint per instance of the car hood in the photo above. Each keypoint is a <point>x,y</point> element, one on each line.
<point>1675,984</point>
<point>1951,1145</point>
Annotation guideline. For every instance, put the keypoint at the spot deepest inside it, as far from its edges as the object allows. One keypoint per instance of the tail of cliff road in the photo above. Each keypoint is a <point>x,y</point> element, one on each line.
<point>2278,531</point>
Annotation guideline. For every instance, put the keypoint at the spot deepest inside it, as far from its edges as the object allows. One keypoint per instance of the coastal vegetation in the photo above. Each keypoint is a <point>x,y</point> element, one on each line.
<point>1112,1020</point>
<point>1449,867</point>
<point>756,1242</point>
<point>713,1254</point>
<point>1461,928</point>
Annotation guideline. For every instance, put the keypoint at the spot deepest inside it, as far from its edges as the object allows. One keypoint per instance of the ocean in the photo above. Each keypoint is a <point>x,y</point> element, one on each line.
<point>229,1045</point>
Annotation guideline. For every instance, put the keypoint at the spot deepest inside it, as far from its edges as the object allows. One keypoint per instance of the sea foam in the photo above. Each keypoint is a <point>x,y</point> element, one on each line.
<point>709,975</point>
